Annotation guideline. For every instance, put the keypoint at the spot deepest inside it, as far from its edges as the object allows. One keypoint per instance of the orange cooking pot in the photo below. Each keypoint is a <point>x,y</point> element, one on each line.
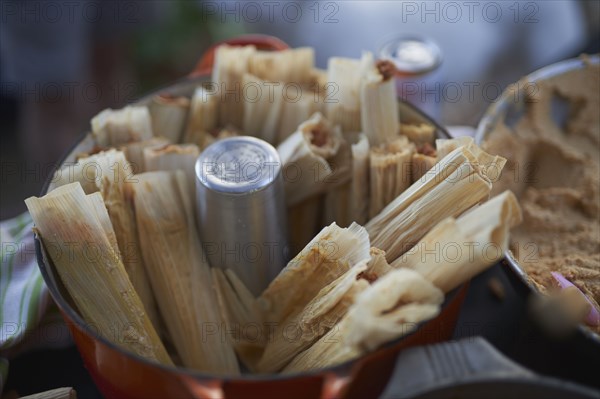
<point>121,374</point>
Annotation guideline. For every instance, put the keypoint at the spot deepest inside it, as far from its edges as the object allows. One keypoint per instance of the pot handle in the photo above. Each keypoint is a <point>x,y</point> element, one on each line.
<point>422,370</point>
<point>262,42</point>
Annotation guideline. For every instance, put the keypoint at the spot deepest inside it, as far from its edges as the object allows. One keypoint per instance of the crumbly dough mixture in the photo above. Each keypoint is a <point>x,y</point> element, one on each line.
<point>554,168</point>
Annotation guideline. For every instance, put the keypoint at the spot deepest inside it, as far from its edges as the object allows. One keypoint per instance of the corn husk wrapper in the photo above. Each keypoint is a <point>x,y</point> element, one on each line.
<point>113,127</point>
<point>68,223</point>
<point>388,309</point>
<point>263,102</point>
<point>421,164</point>
<point>305,156</point>
<point>231,63</point>
<point>180,273</point>
<point>492,165</point>
<point>174,157</point>
<point>293,113</point>
<point>344,74</point>
<point>457,249</point>
<point>389,173</point>
<point>90,170</point>
<point>203,116</point>
<point>58,393</point>
<point>318,89</point>
<point>360,180</point>
<point>169,116</point>
<point>418,133</point>
<point>109,173</point>
<point>330,254</point>
<point>290,65</point>
<point>241,315</point>
<point>456,184</point>
<point>337,204</point>
<point>379,109</point>
<point>321,314</point>
<point>134,152</point>
<point>377,266</point>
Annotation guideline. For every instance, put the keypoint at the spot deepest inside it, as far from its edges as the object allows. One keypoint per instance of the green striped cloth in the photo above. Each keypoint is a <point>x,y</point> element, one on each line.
<point>28,317</point>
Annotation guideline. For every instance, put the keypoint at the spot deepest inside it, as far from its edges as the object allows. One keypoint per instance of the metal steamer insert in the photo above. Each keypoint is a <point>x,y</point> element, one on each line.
<point>241,209</point>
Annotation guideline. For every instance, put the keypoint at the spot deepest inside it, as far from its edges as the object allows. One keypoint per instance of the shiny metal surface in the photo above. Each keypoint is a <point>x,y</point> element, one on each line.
<point>241,209</point>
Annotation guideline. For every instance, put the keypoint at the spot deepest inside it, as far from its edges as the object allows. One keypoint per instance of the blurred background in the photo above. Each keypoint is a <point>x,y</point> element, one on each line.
<point>62,62</point>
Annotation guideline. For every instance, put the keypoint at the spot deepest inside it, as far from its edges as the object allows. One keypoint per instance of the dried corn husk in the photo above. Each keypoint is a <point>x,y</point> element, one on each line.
<point>421,164</point>
<point>377,266</point>
<point>262,107</point>
<point>290,65</point>
<point>109,172</point>
<point>360,180</point>
<point>388,309</point>
<point>305,156</point>
<point>389,173</point>
<point>457,249</point>
<point>203,116</point>
<point>321,314</point>
<point>337,204</point>
<point>113,127</point>
<point>329,255</point>
<point>69,224</point>
<point>418,133</point>
<point>179,272</point>
<point>456,184</point>
<point>344,76</point>
<point>58,393</point>
<point>241,316</point>
<point>90,170</point>
<point>169,116</point>
<point>231,63</point>
<point>293,113</point>
<point>379,110</point>
<point>134,152</point>
<point>174,157</point>
<point>492,165</point>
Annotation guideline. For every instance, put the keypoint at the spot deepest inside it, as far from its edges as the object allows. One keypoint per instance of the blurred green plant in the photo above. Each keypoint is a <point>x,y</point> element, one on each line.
<point>168,49</point>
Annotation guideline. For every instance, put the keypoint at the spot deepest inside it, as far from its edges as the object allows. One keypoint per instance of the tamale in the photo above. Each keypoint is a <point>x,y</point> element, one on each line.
<point>293,113</point>
<point>330,254</point>
<point>343,107</point>
<point>169,116</point>
<point>305,156</point>
<point>203,116</point>
<point>58,393</point>
<point>290,65</point>
<point>262,104</point>
<point>231,63</point>
<point>337,204</point>
<point>454,185</point>
<point>134,152</point>
<point>457,249</point>
<point>179,272</point>
<point>389,308</point>
<point>113,127</point>
<point>67,223</point>
<point>241,316</point>
<point>390,173</point>
<point>379,109</point>
<point>419,134</point>
<point>360,180</point>
<point>174,157</point>
<point>322,313</point>
<point>109,172</point>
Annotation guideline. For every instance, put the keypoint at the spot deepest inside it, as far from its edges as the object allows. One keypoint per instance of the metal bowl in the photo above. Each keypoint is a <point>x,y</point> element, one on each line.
<point>508,108</point>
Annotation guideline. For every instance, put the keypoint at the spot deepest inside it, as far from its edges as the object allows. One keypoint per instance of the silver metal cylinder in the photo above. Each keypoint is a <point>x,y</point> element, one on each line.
<point>241,209</point>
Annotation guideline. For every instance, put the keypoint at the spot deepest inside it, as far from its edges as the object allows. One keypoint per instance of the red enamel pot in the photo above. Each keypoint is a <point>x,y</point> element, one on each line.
<point>121,374</point>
